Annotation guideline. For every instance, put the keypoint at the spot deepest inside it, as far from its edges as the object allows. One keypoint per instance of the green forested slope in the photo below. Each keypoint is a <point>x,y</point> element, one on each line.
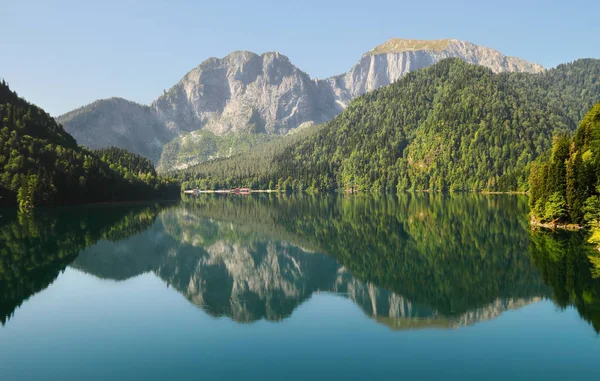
<point>41,164</point>
<point>452,126</point>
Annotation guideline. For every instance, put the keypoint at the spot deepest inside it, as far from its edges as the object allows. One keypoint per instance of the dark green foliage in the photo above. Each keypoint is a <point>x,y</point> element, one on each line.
<point>451,126</point>
<point>7,197</point>
<point>40,164</point>
<point>26,119</point>
<point>565,187</point>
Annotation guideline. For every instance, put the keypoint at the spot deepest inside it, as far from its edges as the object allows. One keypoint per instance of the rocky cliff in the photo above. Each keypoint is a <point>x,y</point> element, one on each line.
<point>392,60</point>
<point>243,92</point>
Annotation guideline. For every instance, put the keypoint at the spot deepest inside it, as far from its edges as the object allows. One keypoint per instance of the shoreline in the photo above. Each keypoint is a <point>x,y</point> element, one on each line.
<point>553,226</point>
<point>346,191</point>
<point>225,191</point>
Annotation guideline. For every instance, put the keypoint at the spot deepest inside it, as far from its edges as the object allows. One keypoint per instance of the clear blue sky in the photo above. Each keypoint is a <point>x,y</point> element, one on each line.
<point>62,54</point>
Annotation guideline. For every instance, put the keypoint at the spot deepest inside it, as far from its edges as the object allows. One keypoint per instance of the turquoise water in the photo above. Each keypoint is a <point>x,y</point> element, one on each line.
<point>264,287</point>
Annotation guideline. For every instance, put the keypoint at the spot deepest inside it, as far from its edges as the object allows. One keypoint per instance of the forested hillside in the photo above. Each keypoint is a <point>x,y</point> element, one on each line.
<point>201,146</point>
<point>452,126</point>
<point>566,186</point>
<point>41,164</point>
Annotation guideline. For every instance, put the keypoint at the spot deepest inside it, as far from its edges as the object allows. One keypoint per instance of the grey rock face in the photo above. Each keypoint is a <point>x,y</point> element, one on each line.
<point>120,123</point>
<point>248,93</point>
<point>243,92</point>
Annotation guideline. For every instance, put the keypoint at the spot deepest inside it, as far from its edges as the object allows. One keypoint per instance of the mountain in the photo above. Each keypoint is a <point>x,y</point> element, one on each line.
<point>451,126</point>
<point>120,123</point>
<point>249,93</point>
<point>41,164</point>
<point>243,92</point>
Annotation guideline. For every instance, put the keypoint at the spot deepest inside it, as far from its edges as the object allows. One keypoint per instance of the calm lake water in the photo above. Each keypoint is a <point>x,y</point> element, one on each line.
<point>273,288</point>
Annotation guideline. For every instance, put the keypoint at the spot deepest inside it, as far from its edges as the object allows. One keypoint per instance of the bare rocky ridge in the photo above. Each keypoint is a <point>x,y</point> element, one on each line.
<point>249,93</point>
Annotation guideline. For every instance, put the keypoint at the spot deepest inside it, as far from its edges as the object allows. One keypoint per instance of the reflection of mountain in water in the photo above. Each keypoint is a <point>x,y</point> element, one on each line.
<point>408,262</point>
<point>245,268</point>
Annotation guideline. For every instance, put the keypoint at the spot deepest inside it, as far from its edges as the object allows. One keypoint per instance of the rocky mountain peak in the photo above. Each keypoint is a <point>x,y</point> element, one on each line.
<point>242,92</point>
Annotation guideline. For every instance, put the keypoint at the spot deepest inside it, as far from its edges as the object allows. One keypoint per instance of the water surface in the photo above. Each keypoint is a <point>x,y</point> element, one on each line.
<point>275,287</point>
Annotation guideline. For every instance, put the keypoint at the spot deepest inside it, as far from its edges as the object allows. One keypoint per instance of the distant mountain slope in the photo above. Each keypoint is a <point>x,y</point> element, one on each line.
<point>249,93</point>
<point>120,123</point>
<point>452,126</point>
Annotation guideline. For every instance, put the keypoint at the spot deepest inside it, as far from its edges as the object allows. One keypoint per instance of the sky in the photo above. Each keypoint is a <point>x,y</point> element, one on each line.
<point>63,54</point>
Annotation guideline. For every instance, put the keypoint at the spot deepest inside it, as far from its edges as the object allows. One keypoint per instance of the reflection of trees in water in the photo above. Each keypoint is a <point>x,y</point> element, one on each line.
<point>35,248</point>
<point>455,258</point>
<point>566,263</point>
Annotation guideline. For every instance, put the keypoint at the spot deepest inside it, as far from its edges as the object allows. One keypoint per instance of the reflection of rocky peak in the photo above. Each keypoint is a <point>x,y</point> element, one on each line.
<point>274,271</point>
<point>267,284</point>
<point>250,282</point>
<point>398,313</point>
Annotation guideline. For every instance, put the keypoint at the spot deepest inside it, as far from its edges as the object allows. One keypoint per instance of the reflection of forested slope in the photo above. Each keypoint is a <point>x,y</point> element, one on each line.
<point>35,248</point>
<point>564,261</point>
<point>453,253</point>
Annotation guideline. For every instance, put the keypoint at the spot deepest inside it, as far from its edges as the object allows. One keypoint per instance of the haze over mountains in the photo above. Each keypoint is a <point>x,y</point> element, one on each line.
<point>249,93</point>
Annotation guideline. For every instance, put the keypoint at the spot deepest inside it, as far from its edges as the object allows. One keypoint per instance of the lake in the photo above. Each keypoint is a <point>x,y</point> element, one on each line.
<point>272,287</point>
